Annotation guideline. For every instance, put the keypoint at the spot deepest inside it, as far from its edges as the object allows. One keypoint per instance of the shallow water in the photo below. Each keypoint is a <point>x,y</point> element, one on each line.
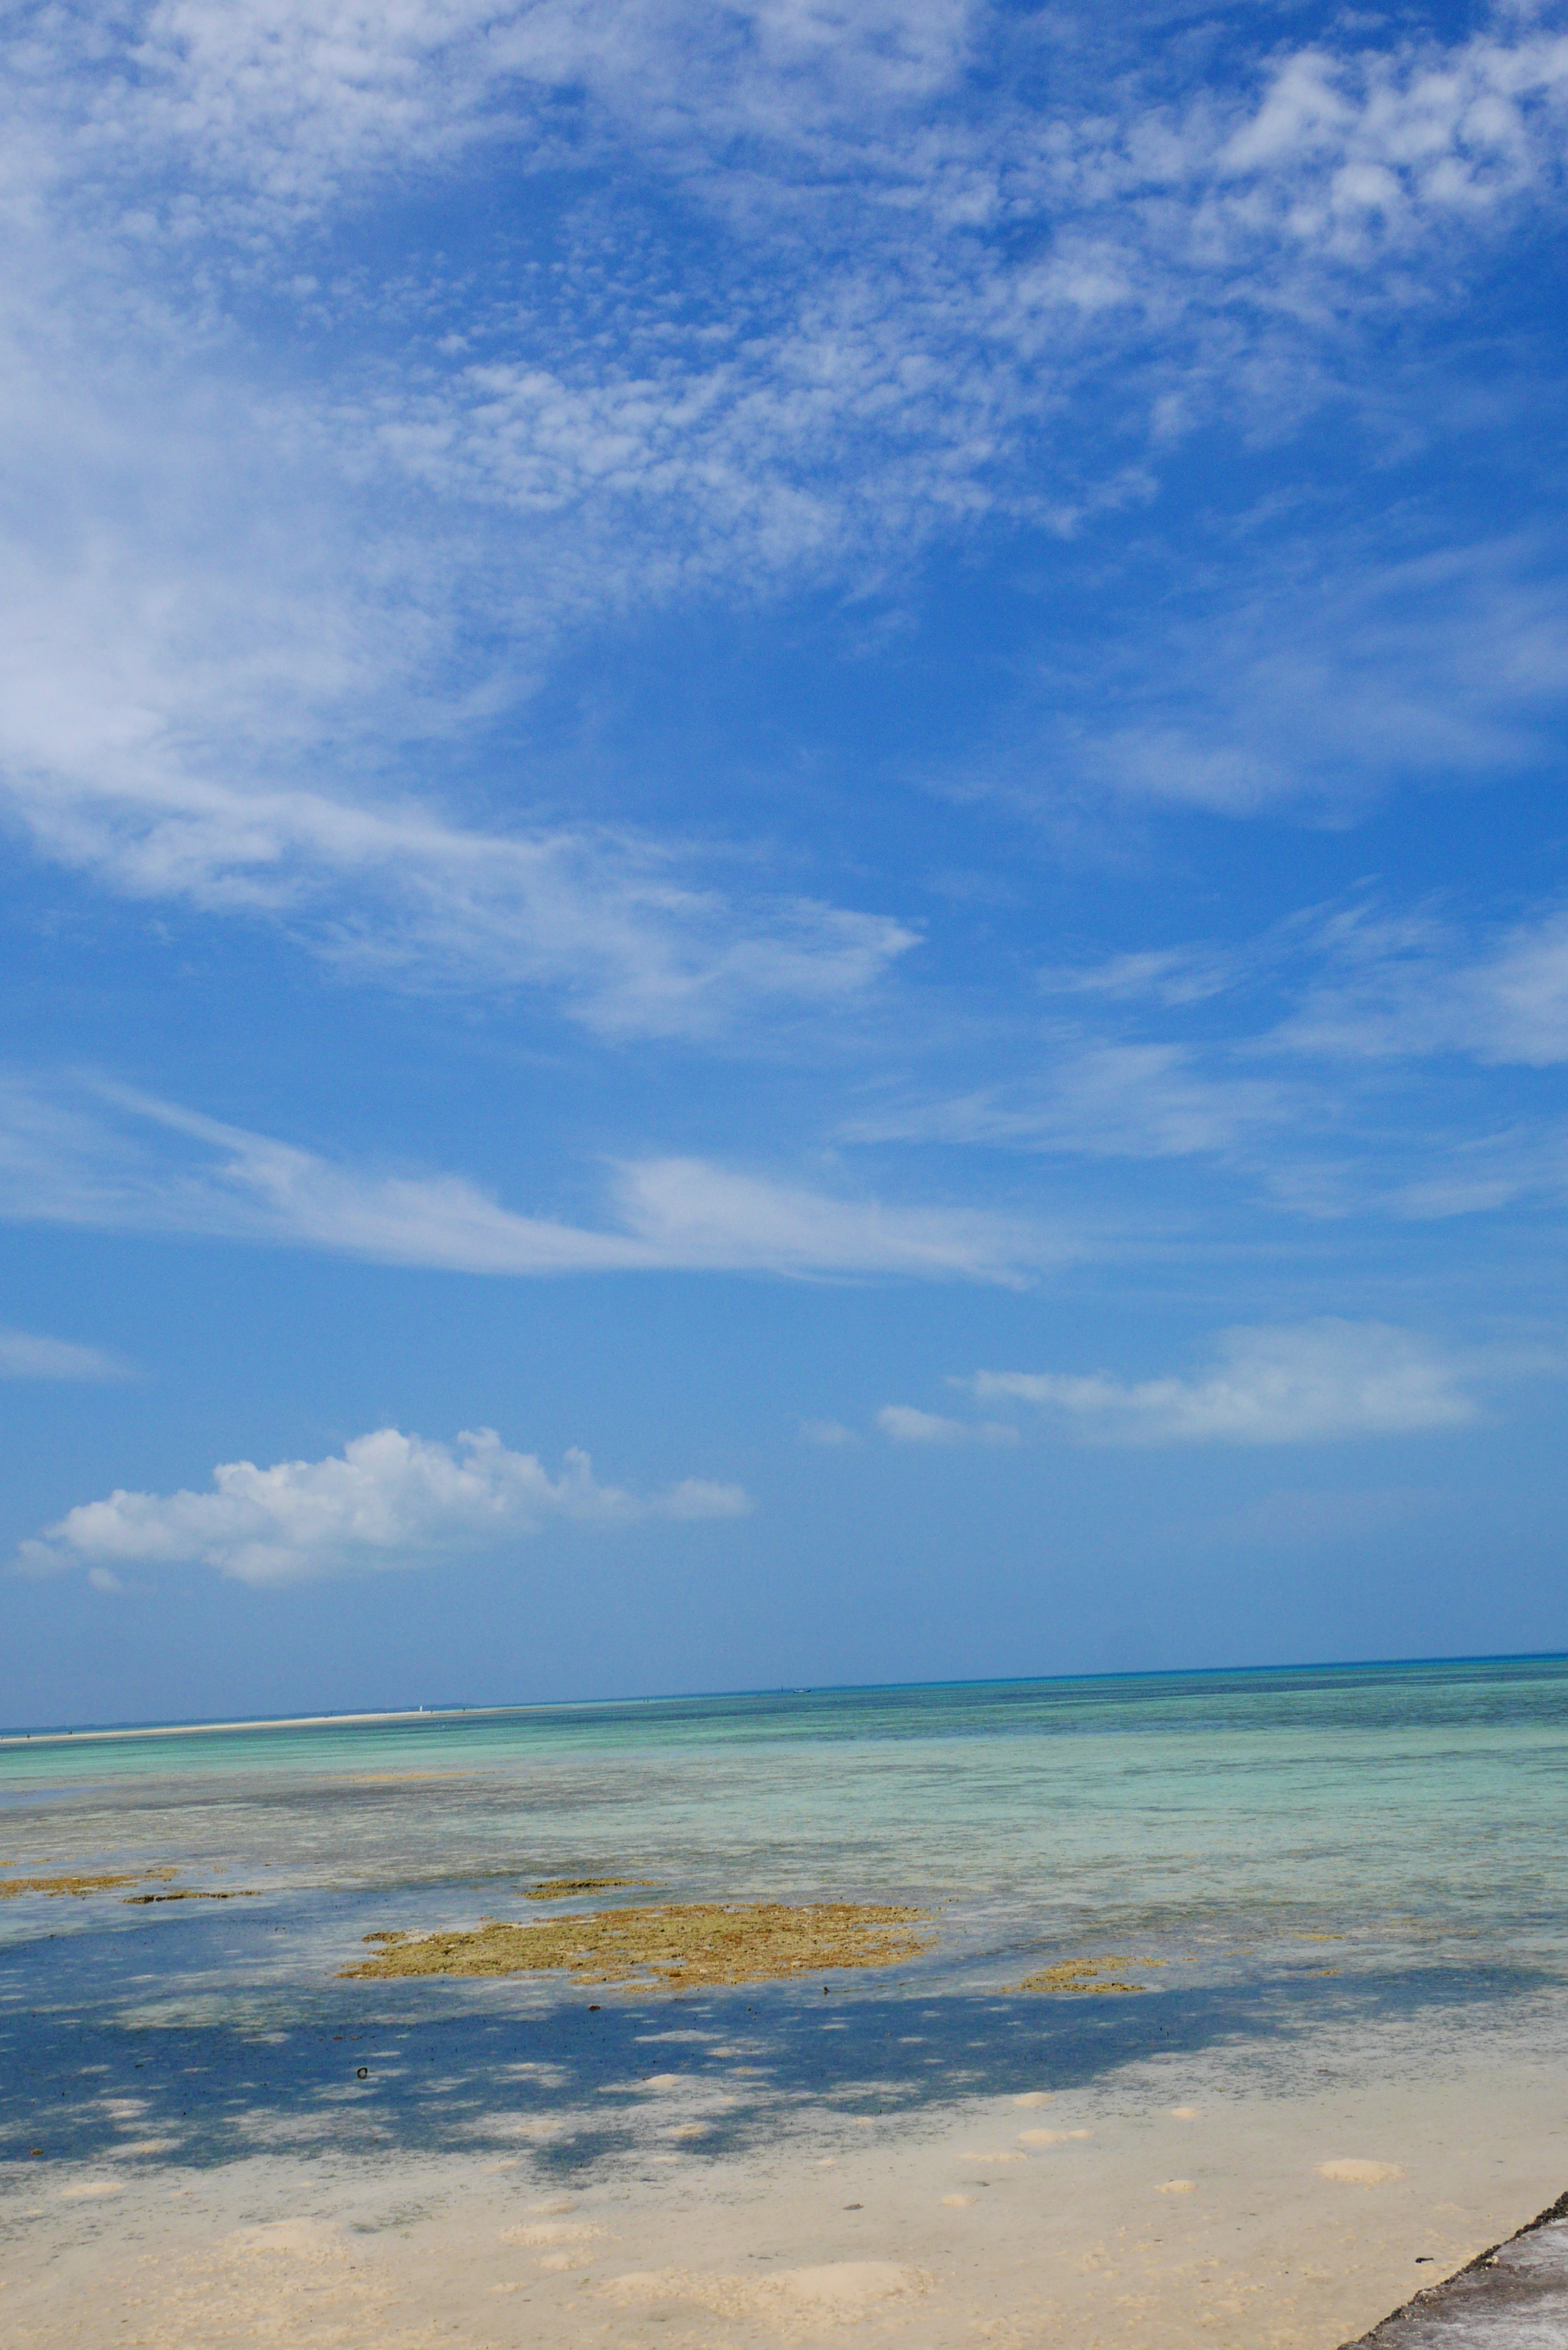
<point>1313,1869</point>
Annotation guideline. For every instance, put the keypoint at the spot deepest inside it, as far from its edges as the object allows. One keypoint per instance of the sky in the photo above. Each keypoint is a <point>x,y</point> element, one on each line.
<point>786,879</point>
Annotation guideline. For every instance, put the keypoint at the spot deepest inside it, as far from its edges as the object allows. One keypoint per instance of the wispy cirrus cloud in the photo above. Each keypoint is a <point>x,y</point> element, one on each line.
<point>200,707</point>
<point>904,1424</point>
<point>1299,1061</point>
<point>627,933</point>
<point>1098,1097</point>
<point>387,1500</point>
<point>24,1354</point>
<point>1322,674</point>
<point>1312,1382</point>
<point>1364,978</point>
<point>1407,986</point>
<point>106,1157</point>
<point>888,309</point>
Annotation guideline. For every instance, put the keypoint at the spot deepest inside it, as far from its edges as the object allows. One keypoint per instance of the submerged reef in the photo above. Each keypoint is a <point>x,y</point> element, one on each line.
<point>80,1886</point>
<point>1080,1977</point>
<point>561,1888</point>
<point>677,1946</point>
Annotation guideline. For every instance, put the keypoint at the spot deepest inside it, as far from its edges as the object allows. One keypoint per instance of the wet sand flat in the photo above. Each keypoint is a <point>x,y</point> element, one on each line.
<point>1176,2209</point>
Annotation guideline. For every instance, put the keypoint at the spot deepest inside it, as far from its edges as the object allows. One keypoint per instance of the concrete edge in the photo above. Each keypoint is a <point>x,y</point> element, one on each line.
<point>1433,2293</point>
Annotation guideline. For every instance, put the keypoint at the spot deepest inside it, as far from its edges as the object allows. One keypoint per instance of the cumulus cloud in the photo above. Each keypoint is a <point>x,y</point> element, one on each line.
<point>386,1501</point>
<point>106,1157</point>
<point>1294,1384</point>
<point>26,1356</point>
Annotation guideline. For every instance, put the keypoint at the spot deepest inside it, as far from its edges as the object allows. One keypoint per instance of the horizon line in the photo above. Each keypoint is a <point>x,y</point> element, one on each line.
<point>86,1732</point>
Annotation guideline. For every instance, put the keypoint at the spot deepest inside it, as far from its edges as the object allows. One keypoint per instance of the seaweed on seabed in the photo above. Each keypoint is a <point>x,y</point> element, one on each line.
<point>80,1886</point>
<point>560,1888</point>
<point>676,1947</point>
<point>1080,1978</point>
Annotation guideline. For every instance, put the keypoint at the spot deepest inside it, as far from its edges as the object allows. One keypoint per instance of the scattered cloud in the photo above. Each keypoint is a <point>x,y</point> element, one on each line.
<point>287,110</point>
<point>1100,1098</point>
<point>1310,1382</point>
<point>1317,668</point>
<point>1303,1064</point>
<point>686,1212</point>
<point>830,1432</point>
<point>1172,977</point>
<point>845,308</point>
<point>145,714</point>
<point>386,1501</point>
<point>24,1355</point>
<point>1410,986</point>
<point>107,1158</point>
<point>904,1425</point>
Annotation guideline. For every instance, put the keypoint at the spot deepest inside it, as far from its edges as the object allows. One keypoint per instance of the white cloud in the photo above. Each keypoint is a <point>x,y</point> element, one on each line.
<point>1410,986</point>
<point>109,1159</point>
<point>237,649</point>
<point>1372,146</point>
<point>289,103</point>
<point>1326,670</point>
<point>1310,1382</point>
<point>689,1212</point>
<point>830,1432</point>
<point>905,1425</point>
<point>24,1355</point>
<point>386,1501</point>
<point>246,615</point>
<point>1100,1098</point>
<point>1173,977</point>
<point>1306,1104</point>
<point>150,698</point>
<point>876,325</point>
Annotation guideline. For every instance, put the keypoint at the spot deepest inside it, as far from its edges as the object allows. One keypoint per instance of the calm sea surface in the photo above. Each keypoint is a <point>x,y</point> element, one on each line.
<point>1309,1865</point>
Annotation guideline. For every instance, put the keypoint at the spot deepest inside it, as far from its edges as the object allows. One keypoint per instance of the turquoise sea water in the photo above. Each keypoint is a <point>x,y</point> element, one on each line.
<point>1299,1860</point>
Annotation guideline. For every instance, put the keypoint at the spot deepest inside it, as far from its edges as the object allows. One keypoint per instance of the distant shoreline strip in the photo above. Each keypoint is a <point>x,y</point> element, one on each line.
<point>279,1721</point>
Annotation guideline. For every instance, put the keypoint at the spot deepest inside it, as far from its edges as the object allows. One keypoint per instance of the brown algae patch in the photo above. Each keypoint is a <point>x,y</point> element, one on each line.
<point>1080,1977</point>
<point>561,1888</point>
<point>236,1893</point>
<point>676,1947</point>
<point>80,1886</point>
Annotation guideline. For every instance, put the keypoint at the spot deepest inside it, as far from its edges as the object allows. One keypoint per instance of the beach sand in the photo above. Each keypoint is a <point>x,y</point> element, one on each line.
<point>1179,2204</point>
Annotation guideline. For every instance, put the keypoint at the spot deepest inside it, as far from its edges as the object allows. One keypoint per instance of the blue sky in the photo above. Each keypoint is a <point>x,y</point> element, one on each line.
<point>787,883</point>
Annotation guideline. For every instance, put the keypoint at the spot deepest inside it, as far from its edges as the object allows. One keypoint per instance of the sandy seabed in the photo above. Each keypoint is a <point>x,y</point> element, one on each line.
<point>1178,2205</point>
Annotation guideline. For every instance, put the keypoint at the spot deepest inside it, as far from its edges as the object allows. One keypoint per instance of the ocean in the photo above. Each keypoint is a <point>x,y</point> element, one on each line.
<point>1306,1870</point>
